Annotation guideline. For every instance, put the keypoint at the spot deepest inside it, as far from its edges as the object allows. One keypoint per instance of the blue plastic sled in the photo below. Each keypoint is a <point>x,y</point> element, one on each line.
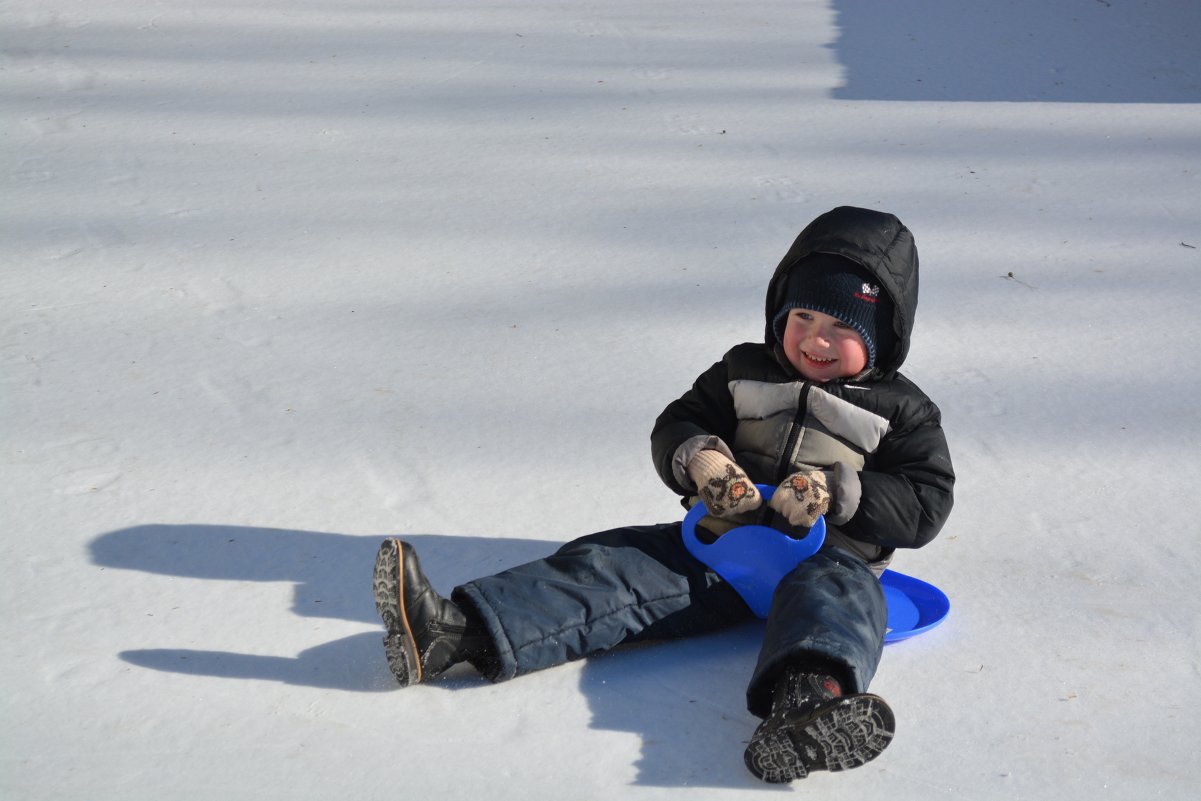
<point>754,559</point>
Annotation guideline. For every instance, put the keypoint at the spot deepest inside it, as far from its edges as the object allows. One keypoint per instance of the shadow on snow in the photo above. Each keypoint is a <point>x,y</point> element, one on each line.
<point>684,698</point>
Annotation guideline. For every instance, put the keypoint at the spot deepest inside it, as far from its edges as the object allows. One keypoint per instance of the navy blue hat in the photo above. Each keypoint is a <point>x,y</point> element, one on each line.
<point>840,288</point>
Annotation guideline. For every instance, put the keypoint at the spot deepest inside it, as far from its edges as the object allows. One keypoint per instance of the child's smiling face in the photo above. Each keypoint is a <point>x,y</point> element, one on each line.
<point>823,348</point>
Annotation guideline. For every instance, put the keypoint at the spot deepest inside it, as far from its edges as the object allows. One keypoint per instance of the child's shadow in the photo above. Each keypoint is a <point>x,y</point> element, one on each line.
<point>331,576</point>
<point>683,698</point>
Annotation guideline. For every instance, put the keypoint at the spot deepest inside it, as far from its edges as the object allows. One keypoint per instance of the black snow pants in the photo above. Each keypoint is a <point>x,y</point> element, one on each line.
<point>640,583</point>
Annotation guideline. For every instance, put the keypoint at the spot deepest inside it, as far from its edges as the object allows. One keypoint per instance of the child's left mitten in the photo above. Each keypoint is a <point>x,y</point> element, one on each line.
<point>802,497</point>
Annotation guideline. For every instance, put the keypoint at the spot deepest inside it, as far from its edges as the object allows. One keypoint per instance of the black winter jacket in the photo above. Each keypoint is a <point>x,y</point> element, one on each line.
<point>877,434</point>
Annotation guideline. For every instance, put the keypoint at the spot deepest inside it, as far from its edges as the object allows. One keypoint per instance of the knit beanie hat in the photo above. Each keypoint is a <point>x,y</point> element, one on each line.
<point>840,288</point>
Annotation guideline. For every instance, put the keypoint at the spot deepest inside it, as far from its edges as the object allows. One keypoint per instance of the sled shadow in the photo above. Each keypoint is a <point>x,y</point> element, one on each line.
<point>331,575</point>
<point>686,700</point>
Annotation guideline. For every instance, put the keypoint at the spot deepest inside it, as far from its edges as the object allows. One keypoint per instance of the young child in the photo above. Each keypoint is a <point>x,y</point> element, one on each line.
<point>817,409</point>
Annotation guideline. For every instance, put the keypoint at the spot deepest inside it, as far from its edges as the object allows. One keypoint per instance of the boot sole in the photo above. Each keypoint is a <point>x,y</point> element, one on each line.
<point>387,584</point>
<point>841,734</point>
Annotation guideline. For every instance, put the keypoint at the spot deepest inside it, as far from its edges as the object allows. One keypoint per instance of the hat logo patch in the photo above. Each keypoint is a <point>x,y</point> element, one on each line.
<point>869,293</point>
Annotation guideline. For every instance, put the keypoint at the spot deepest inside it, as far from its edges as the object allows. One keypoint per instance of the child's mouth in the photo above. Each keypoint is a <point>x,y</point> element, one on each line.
<point>818,360</point>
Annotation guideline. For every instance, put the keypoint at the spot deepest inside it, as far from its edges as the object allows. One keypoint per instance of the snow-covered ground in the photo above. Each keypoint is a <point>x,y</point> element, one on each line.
<point>280,277</point>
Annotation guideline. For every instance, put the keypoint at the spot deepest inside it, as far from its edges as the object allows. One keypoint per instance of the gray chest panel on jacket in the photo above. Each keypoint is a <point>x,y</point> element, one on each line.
<point>833,430</point>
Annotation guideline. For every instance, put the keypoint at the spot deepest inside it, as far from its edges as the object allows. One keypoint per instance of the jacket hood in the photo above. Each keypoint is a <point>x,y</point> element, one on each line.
<point>876,241</point>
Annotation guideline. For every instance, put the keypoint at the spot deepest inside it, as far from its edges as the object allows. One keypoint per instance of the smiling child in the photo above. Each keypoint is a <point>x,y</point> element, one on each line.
<point>817,409</point>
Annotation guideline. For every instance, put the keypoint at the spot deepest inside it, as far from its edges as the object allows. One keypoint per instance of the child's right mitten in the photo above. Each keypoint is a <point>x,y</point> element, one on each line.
<point>723,486</point>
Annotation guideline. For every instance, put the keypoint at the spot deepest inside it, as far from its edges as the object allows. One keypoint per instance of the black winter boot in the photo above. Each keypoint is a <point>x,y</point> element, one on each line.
<point>813,726</point>
<point>426,633</point>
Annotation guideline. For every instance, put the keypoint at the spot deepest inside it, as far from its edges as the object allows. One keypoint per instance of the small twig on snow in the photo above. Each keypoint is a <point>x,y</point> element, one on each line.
<point>1011,277</point>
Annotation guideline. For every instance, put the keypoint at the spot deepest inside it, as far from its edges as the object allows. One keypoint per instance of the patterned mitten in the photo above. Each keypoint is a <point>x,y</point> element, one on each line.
<point>723,486</point>
<point>802,498</point>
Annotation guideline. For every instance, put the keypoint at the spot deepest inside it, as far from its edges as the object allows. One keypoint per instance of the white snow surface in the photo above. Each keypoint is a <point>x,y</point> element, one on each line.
<point>281,278</point>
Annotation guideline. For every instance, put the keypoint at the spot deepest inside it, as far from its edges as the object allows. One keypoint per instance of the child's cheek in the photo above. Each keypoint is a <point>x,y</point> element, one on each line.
<point>853,354</point>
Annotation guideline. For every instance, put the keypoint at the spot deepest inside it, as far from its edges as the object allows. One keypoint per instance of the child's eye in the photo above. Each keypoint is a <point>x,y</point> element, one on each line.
<point>803,315</point>
<point>841,324</point>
